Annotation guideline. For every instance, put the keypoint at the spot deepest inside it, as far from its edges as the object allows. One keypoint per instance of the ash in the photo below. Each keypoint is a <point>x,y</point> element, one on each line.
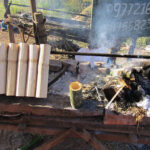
<point>86,76</point>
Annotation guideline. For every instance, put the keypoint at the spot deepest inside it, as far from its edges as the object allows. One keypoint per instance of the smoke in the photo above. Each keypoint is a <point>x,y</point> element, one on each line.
<point>119,19</point>
<point>103,34</point>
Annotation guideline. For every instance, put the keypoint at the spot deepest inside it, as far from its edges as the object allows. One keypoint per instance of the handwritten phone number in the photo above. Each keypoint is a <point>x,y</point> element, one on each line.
<point>137,25</point>
<point>128,9</point>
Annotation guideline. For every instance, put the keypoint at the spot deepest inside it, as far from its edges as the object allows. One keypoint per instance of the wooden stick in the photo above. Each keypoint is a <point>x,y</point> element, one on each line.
<point>40,28</point>
<point>9,20</point>
<point>32,70</point>
<point>22,70</point>
<point>11,34</point>
<point>98,95</point>
<point>33,10</point>
<point>33,6</point>
<point>12,69</point>
<point>87,137</point>
<point>43,69</point>
<point>57,140</point>
<point>107,106</point>
<point>3,67</point>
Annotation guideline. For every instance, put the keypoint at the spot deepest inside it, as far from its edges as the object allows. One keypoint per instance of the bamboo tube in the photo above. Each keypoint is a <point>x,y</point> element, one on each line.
<point>43,68</point>
<point>32,71</point>
<point>22,69</point>
<point>3,67</point>
<point>12,69</point>
<point>75,89</point>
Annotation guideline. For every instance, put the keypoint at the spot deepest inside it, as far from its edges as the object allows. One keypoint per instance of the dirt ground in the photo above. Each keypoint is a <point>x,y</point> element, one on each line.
<point>13,141</point>
<point>4,37</point>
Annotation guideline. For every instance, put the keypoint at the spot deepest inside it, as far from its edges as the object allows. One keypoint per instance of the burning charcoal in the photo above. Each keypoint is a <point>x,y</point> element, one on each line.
<point>137,95</point>
<point>128,96</point>
<point>134,85</point>
<point>143,81</point>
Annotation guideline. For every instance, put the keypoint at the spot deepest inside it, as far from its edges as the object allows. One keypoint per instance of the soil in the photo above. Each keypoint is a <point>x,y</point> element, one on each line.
<point>13,141</point>
<point>4,37</point>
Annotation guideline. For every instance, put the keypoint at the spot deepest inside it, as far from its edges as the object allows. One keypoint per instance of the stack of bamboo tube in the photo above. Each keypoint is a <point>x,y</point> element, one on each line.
<point>24,70</point>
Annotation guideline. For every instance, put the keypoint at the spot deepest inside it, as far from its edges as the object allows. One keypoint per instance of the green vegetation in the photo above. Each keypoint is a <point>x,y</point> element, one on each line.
<point>74,6</point>
<point>2,10</point>
<point>142,42</point>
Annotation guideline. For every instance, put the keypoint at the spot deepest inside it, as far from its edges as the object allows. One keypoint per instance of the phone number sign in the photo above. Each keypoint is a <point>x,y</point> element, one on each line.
<point>122,18</point>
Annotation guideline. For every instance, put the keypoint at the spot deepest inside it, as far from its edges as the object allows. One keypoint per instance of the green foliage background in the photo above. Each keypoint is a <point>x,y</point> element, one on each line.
<point>76,6</point>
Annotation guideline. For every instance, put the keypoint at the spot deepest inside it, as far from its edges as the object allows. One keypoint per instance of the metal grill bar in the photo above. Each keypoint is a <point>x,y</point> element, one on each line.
<point>102,55</point>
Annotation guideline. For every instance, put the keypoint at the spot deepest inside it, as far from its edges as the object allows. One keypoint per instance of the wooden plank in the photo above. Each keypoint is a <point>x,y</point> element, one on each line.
<point>43,71</point>
<point>22,70</point>
<point>87,137</point>
<point>118,119</point>
<point>12,69</point>
<point>32,70</point>
<point>125,138</point>
<point>81,123</point>
<point>29,129</point>
<point>50,121</point>
<point>3,67</point>
<point>57,140</point>
<point>54,105</point>
<point>93,141</point>
<point>145,121</point>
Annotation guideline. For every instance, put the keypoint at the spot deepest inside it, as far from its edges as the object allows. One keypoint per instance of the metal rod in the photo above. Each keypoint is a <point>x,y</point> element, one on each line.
<point>102,55</point>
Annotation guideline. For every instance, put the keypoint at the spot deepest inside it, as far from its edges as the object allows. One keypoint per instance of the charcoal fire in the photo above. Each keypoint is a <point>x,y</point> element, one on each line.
<point>134,98</point>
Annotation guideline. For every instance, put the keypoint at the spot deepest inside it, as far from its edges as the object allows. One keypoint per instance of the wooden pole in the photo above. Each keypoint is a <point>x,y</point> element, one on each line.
<point>33,10</point>
<point>33,7</point>
<point>8,21</point>
<point>11,34</point>
<point>40,28</point>
<point>55,141</point>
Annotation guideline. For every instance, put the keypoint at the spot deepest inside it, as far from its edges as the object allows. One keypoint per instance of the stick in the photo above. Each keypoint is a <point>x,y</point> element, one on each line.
<point>99,98</point>
<point>114,97</point>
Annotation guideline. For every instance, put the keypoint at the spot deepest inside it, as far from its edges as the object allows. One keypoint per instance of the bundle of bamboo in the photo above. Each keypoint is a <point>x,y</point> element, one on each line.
<point>24,70</point>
